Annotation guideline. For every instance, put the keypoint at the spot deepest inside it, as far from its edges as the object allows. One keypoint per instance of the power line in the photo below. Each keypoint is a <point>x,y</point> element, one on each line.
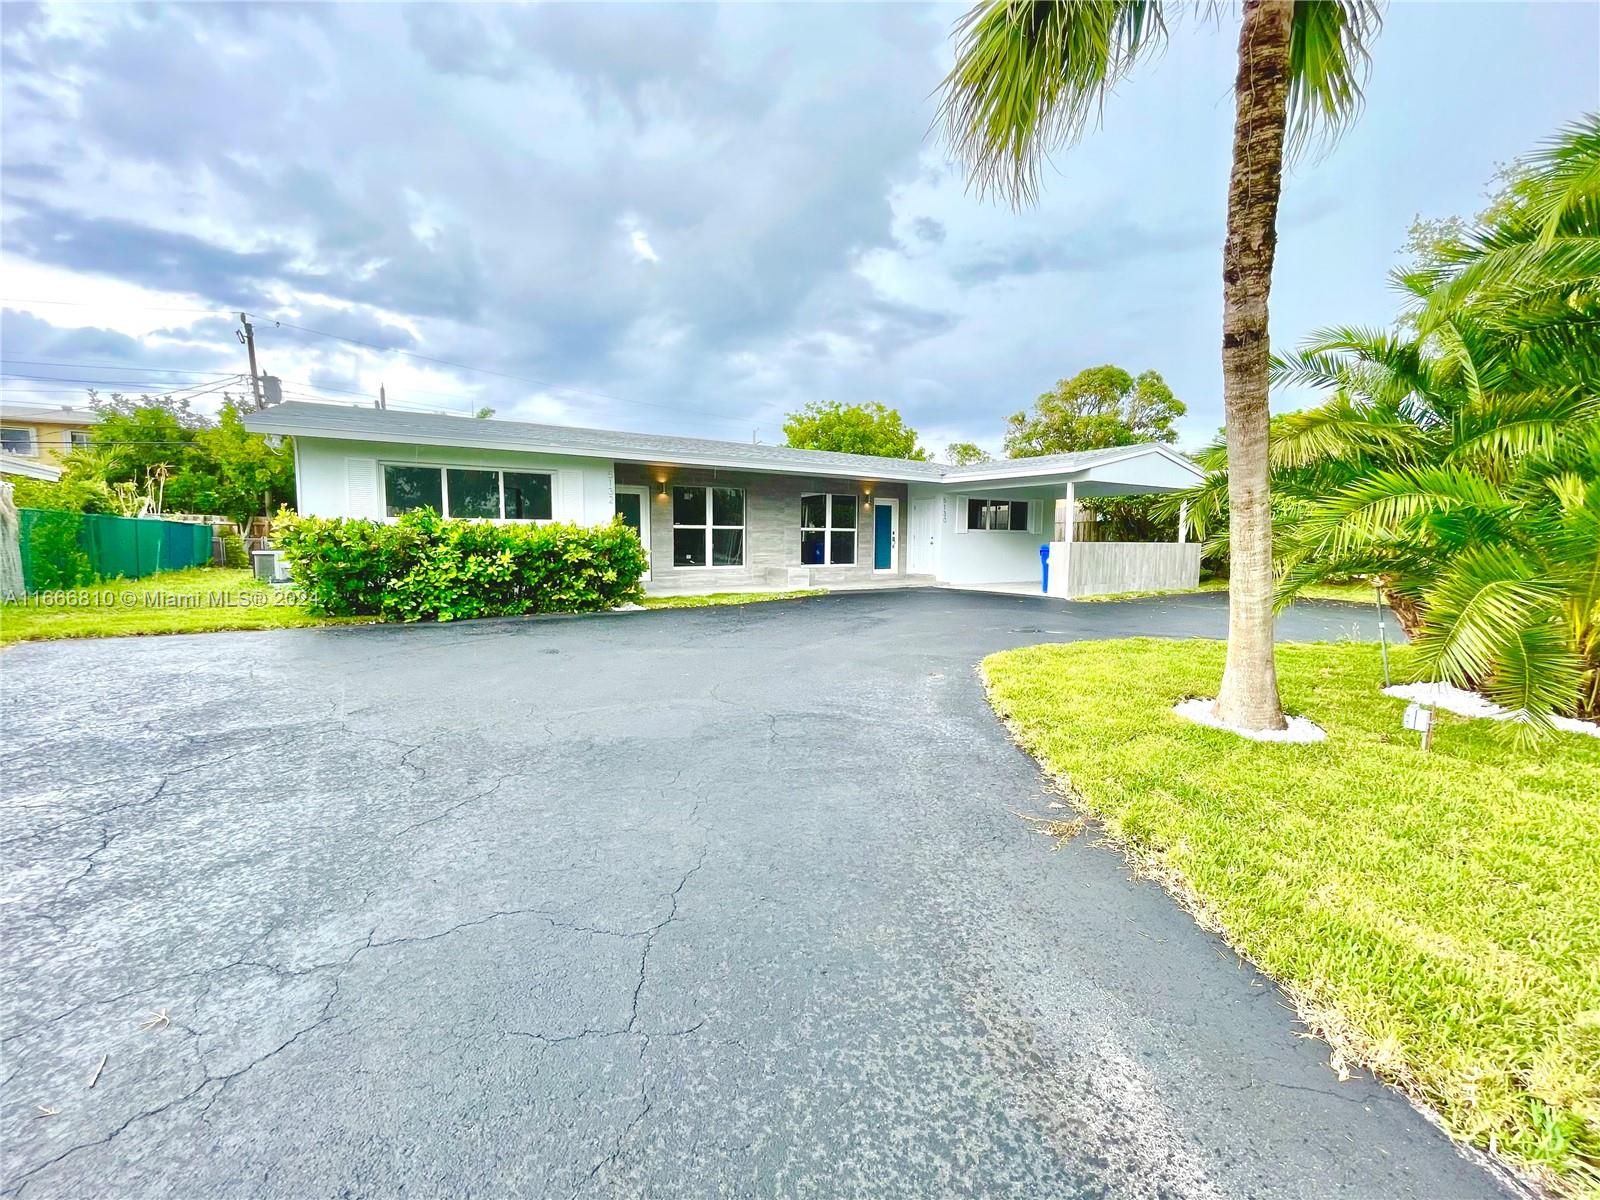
<point>223,312</point>
<point>44,362</point>
<point>194,389</point>
<point>108,382</point>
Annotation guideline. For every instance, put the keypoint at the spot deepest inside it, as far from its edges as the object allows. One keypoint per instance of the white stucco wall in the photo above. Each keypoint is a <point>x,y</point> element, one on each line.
<point>339,478</point>
<point>993,555</point>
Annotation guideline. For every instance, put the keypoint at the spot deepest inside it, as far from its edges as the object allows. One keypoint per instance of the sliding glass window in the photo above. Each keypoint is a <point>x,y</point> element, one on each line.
<point>467,493</point>
<point>997,514</point>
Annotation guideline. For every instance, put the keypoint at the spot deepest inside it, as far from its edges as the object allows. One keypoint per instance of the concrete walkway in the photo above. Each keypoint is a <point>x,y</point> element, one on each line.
<point>718,902</point>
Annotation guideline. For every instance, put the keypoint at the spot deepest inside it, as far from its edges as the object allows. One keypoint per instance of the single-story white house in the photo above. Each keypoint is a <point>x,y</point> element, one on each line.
<point>724,516</point>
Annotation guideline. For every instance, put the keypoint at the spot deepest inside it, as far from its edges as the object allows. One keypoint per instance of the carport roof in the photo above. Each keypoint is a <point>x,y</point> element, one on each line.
<point>297,418</point>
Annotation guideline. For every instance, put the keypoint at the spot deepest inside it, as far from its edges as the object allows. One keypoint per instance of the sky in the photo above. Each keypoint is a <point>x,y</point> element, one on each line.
<point>685,219</point>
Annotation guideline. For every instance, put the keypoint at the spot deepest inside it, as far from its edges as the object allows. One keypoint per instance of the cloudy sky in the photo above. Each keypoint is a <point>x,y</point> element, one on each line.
<point>685,219</point>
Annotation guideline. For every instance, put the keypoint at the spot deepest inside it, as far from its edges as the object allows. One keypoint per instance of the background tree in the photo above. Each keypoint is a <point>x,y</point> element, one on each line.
<point>131,436</point>
<point>1097,407</point>
<point>233,471</point>
<point>1031,76</point>
<point>852,429</point>
<point>154,447</point>
<point>966,454</point>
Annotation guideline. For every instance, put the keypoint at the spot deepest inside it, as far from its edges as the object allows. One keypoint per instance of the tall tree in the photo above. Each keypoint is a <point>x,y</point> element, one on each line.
<point>965,454</point>
<point>853,429</point>
<point>156,447</point>
<point>1031,76</point>
<point>1097,407</point>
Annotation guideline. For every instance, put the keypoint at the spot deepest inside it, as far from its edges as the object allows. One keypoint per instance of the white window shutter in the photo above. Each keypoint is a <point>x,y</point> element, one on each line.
<point>361,488</point>
<point>569,497</point>
<point>961,514</point>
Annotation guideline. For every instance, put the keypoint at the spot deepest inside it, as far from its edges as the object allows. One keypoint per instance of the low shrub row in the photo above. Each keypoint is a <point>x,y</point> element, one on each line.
<point>423,567</point>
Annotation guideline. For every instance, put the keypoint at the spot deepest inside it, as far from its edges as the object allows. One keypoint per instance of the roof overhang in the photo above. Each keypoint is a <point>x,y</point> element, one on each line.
<point>1146,467</point>
<point>28,468</point>
<point>259,424</point>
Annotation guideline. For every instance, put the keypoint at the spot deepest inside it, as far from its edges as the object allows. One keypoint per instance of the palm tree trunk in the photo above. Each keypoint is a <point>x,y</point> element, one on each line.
<point>1249,695</point>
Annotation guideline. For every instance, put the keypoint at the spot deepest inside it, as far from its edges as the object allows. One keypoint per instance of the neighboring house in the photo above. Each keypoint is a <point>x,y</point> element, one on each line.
<point>43,435</point>
<point>719,516</point>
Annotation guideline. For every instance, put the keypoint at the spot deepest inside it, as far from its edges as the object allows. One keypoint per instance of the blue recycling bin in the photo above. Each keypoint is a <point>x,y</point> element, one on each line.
<point>1044,568</point>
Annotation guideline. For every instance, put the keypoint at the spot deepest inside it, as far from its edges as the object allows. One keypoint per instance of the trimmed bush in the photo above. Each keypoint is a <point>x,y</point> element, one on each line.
<point>423,567</point>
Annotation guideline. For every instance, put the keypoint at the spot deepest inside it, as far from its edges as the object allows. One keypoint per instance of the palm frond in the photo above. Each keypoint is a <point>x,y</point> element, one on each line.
<point>1568,170</point>
<point>1030,76</point>
<point>1329,62</point>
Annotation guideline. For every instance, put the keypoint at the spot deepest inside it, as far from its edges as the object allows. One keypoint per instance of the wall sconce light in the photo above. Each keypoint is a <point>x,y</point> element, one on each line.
<point>661,489</point>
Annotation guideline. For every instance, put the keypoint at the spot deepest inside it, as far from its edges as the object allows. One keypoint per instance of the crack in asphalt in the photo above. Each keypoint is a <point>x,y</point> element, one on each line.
<point>445,812</point>
<point>325,1015</point>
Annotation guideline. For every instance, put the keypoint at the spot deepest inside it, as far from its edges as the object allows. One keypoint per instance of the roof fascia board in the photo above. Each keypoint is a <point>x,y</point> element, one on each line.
<point>1021,471</point>
<point>613,455</point>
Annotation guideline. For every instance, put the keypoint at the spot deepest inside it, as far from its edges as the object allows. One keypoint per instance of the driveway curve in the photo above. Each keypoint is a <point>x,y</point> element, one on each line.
<point>718,902</point>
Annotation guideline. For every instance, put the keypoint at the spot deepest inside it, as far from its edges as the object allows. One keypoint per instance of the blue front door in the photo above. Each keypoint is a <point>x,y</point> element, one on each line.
<point>882,537</point>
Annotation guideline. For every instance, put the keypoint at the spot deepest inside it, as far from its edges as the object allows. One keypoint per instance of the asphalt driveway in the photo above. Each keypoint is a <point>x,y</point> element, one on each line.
<point>720,902</point>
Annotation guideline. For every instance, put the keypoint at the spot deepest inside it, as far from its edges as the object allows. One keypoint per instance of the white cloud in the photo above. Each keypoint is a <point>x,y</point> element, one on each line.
<point>642,247</point>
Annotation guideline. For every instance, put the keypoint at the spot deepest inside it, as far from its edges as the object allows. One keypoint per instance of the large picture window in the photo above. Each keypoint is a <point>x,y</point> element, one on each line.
<point>467,493</point>
<point>707,527</point>
<point>997,514</point>
<point>828,530</point>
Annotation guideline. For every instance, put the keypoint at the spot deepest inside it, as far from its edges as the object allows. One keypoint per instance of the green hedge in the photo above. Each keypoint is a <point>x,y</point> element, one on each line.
<point>422,567</point>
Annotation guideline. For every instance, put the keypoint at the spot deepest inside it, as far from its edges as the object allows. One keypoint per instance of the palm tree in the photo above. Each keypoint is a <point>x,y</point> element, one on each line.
<point>1031,75</point>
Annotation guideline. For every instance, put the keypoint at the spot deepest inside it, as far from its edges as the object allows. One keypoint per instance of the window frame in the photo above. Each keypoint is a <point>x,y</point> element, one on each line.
<point>33,440</point>
<point>78,439</point>
<point>711,527</point>
<point>989,505</point>
<point>444,469</point>
<point>828,529</point>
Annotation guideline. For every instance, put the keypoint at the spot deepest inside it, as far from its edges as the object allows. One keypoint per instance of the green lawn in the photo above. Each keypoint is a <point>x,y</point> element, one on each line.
<point>716,598</point>
<point>1436,916</point>
<point>1352,593</point>
<point>193,601</point>
<point>210,598</point>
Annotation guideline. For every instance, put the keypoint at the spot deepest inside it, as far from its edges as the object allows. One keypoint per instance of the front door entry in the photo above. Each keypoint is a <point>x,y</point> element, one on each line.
<point>885,536</point>
<point>633,506</point>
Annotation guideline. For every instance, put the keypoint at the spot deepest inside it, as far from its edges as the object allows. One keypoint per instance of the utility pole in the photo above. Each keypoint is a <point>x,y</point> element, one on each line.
<point>248,338</point>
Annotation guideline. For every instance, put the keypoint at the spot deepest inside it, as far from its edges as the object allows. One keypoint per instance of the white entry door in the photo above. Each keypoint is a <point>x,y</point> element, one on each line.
<point>924,523</point>
<point>633,506</point>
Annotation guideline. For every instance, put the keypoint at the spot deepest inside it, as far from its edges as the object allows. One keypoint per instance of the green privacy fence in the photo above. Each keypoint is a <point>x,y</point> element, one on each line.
<point>68,549</point>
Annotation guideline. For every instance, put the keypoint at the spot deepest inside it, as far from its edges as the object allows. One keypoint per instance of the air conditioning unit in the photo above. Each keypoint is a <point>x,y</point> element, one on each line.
<point>269,566</point>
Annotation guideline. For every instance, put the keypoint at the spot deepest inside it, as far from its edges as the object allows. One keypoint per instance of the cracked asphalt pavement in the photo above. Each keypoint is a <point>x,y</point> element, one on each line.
<point>716,902</point>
